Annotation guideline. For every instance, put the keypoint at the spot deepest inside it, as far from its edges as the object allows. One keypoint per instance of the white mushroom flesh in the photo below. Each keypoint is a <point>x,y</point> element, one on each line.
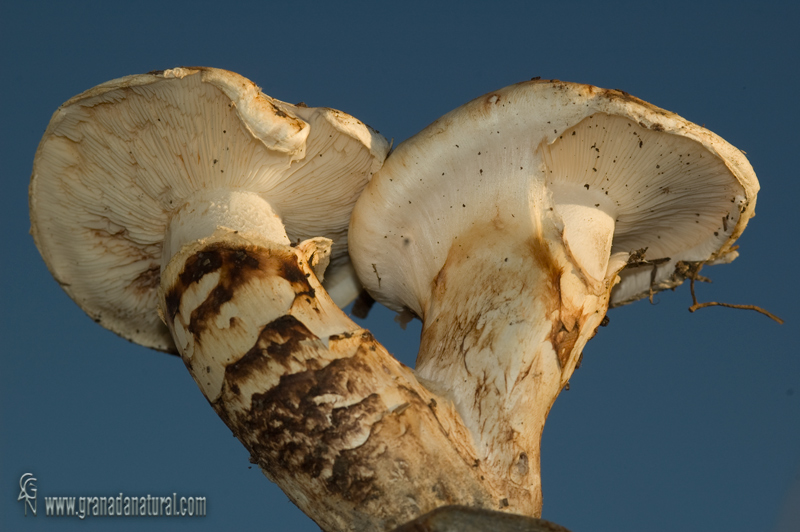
<point>204,213</point>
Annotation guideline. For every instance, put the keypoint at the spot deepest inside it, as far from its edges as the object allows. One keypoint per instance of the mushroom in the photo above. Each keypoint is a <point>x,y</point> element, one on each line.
<point>185,195</point>
<point>512,223</point>
<point>130,171</point>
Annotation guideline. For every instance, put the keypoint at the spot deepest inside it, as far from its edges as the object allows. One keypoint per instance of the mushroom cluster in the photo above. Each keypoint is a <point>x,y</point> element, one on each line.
<point>188,212</point>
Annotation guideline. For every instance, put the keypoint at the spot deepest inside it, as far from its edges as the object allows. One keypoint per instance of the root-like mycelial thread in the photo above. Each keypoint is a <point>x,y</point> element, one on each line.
<point>691,271</point>
<point>637,259</point>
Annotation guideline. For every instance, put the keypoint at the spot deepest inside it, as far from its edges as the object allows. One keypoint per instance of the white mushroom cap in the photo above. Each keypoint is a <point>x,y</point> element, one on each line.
<point>612,164</point>
<point>140,159</point>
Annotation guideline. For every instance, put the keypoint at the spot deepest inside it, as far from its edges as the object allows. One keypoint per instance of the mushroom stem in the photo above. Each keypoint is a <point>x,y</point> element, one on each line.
<point>208,210</point>
<point>509,313</point>
<point>342,427</point>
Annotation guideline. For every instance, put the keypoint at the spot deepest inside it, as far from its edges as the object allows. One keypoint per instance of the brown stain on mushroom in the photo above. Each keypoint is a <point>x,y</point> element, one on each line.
<point>279,112</point>
<point>563,341</point>
<point>655,126</point>
<point>290,428</point>
<point>277,341</point>
<point>460,333</point>
<point>522,464</point>
<point>467,330</point>
<point>565,330</point>
<point>147,281</point>
<point>296,434</point>
<point>237,266</point>
<point>567,323</point>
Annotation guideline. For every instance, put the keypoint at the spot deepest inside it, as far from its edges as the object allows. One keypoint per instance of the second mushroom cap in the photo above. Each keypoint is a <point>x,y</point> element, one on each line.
<point>625,177</point>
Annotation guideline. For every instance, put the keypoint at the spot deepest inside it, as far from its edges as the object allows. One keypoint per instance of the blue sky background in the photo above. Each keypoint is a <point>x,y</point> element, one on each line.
<point>674,419</point>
